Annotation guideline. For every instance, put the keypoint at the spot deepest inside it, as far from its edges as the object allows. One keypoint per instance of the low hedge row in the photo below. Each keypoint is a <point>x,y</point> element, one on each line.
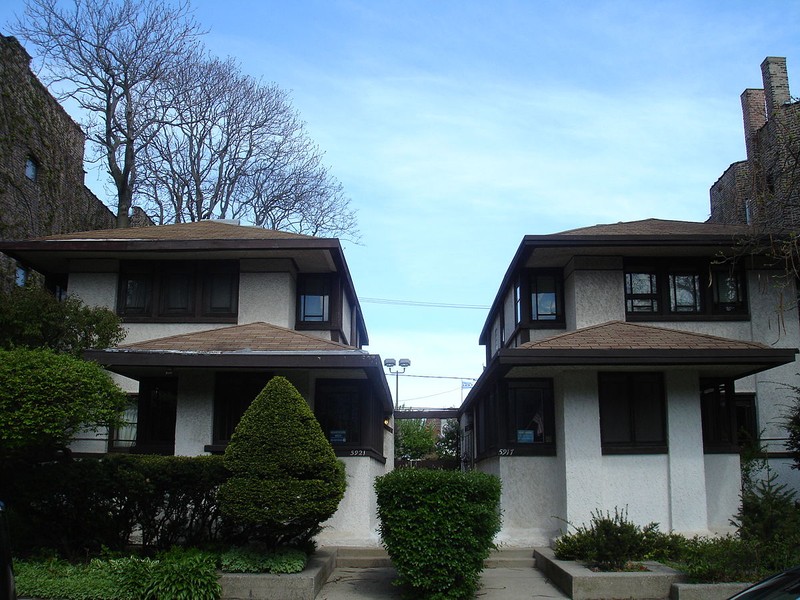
<point>81,506</point>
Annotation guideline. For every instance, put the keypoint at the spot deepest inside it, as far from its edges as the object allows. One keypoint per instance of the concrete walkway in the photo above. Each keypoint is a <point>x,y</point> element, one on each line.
<point>505,578</point>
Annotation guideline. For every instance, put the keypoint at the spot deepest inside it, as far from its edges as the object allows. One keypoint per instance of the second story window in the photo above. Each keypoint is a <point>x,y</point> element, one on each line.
<point>179,291</point>
<point>666,291</point>
<point>314,294</point>
<point>546,297</point>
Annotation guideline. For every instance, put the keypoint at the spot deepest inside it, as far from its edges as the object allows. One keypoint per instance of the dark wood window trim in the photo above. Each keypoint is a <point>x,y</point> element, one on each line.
<point>621,401</point>
<point>718,410</point>
<point>349,417</point>
<point>707,288</point>
<point>151,281</point>
<point>334,316</point>
<point>497,414</point>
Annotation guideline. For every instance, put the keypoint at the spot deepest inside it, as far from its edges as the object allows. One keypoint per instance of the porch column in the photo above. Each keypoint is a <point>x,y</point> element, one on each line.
<point>579,446</point>
<point>687,480</point>
<point>195,413</point>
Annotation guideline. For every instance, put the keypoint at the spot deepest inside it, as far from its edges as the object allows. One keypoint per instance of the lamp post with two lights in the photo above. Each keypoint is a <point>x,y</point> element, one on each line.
<point>401,365</point>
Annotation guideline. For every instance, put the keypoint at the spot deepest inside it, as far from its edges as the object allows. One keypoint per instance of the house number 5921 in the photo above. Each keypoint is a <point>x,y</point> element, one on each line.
<point>358,452</point>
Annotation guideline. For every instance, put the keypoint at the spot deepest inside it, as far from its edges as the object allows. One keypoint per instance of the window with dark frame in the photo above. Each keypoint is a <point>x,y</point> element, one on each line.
<point>234,391</point>
<point>663,290</point>
<point>179,290</point>
<point>546,297</point>
<point>717,406</point>
<point>632,413</point>
<point>347,416</point>
<point>156,416</point>
<point>314,298</point>
<point>530,420</point>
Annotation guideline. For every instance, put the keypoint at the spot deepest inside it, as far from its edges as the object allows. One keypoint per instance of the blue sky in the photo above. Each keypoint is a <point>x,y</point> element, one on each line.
<point>457,127</point>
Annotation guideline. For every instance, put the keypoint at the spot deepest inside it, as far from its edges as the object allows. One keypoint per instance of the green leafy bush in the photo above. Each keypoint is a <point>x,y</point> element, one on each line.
<point>99,502</point>
<point>32,317</point>
<point>45,398</point>
<point>176,575</point>
<point>438,528</point>
<point>612,541</point>
<point>286,479</point>
<point>252,560</point>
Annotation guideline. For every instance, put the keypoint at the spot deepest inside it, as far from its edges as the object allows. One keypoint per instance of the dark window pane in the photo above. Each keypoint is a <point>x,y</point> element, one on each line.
<point>178,293</point>
<point>315,299</point>
<point>684,293</point>
<point>342,410</point>
<point>632,409</point>
<point>221,293</point>
<point>728,291</point>
<point>544,297</point>
<point>641,293</point>
<point>233,393</point>
<point>526,416</point>
<point>137,294</point>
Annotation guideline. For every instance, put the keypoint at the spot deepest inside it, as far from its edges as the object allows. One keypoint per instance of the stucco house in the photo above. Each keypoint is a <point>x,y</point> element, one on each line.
<point>212,310</point>
<point>623,361</point>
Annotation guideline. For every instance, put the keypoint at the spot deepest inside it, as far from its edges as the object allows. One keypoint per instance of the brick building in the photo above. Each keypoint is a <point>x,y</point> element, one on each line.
<point>42,187</point>
<point>764,189</point>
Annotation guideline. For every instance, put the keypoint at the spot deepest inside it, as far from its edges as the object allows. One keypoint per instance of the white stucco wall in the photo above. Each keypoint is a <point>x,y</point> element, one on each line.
<point>531,499</point>
<point>195,413</point>
<point>594,291</point>
<point>94,289</point>
<point>356,521</point>
<point>723,477</point>
<point>267,297</point>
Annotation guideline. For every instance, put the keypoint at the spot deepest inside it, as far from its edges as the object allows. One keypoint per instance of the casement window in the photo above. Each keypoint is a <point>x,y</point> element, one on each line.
<point>539,299</point>
<point>148,422</point>
<point>179,291</point>
<point>516,418</point>
<point>546,296</point>
<point>314,295</point>
<point>718,409</point>
<point>661,290</point>
<point>529,417</point>
<point>632,413</point>
<point>233,393</point>
<point>350,420</point>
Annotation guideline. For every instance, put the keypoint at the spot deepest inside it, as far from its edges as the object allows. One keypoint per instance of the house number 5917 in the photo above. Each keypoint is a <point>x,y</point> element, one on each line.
<point>506,452</point>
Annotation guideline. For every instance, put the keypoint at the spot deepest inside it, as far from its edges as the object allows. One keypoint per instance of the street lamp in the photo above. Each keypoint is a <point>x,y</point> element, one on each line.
<point>402,364</point>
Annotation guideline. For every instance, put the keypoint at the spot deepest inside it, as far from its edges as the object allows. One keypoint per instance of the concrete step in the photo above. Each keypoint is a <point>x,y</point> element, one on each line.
<point>365,558</point>
<point>509,558</point>
<point>362,558</point>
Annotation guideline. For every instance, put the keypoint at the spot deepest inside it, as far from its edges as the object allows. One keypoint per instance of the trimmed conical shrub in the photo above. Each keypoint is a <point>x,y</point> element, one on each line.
<point>285,478</point>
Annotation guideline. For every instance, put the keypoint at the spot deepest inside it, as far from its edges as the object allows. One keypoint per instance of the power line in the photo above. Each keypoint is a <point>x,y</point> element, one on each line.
<point>435,376</point>
<point>423,304</point>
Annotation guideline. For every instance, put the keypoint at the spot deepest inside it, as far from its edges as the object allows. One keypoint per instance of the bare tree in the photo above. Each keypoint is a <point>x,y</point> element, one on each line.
<point>110,56</point>
<point>235,148</point>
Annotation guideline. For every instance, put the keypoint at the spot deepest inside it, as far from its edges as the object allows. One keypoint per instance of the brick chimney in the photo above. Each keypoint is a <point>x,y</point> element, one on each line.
<point>776,83</point>
<point>754,113</point>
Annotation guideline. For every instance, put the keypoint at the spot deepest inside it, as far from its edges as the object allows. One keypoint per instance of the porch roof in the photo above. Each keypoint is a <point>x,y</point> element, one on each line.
<point>250,346</point>
<point>618,344</point>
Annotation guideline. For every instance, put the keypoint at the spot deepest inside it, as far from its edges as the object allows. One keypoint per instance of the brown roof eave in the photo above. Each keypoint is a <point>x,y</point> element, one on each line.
<point>657,356</point>
<point>121,361</point>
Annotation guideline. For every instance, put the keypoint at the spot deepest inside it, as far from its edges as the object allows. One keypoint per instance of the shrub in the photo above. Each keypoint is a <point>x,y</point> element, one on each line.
<point>438,528</point>
<point>64,581</point>
<point>286,479</point>
<point>98,503</point>
<point>612,541</point>
<point>252,560</point>
<point>45,398</point>
<point>32,317</point>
